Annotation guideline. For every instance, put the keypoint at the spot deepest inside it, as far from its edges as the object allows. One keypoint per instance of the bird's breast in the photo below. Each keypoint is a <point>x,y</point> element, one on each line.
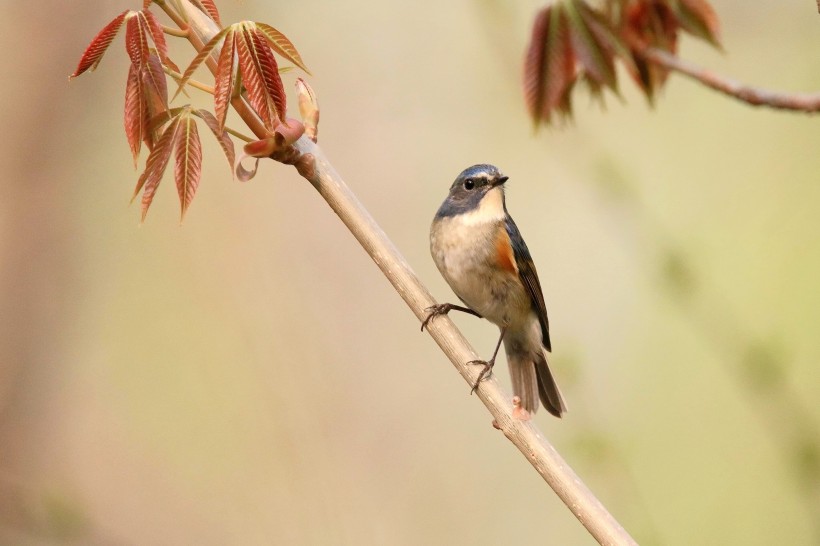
<point>477,262</point>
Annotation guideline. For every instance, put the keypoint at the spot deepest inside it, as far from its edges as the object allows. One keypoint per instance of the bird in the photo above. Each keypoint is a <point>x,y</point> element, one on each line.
<point>479,251</point>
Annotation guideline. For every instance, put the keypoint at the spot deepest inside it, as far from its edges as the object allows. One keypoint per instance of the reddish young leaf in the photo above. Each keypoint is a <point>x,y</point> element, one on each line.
<point>259,148</point>
<point>269,70</point>
<point>549,68</point>
<point>155,123</point>
<point>594,55</point>
<point>561,59</point>
<point>136,112</point>
<point>208,7</point>
<point>280,44</point>
<point>285,134</point>
<point>288,132</point>
<point>221,135</point>
<point>158,36</point>
<point>224,81</point>
<point>155,89</point>
<point>96,49</point>
<point>654,24</point>
<point>534,65</point>
<point>698,18</point>
<point>146,4</point>
<point>254,79</point>
<point>155,165</point>
<point>244,174</point>
<point>188,167</point>
<point>602,29</point>
<point>136,38</point>
<point>154,77</point>
<point>201,56</point>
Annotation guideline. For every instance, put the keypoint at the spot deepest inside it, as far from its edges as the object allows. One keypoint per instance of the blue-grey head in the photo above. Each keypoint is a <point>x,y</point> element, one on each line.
<point>479,191</point>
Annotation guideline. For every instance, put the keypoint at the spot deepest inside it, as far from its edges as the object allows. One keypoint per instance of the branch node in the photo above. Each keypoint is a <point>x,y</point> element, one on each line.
<point>178,32</point>
<point>306,165</point>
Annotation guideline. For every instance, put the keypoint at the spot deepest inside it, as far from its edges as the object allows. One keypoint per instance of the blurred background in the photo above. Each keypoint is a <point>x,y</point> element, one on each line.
<point>251,378</point>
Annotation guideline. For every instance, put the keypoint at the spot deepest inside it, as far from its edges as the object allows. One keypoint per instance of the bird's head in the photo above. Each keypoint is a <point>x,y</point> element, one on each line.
<point>478,194</point>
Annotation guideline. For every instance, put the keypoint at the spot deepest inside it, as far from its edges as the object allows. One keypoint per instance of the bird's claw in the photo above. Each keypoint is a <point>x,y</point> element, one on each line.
<point>485,373</point>
<point>434,311</point>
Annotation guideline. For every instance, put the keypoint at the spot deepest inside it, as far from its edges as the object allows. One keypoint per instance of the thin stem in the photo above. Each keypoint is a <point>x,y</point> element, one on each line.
<point>174,15</point>
<point>208,89</point>
<point>523,434</point>
<point>800,102</point>
<point>193,83</point>
<point>238,135</point>
<point>179,33</point>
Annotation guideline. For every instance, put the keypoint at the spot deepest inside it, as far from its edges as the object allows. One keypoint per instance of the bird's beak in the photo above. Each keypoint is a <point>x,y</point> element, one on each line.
<point>500,180</point>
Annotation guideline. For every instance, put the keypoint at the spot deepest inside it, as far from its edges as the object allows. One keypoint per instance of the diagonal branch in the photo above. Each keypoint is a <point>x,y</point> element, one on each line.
<point>801,102</point>
<point>523,434</point>
<point>314,166</point>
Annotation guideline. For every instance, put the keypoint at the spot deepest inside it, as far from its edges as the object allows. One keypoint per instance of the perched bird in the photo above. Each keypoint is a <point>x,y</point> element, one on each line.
<point>480,252</point>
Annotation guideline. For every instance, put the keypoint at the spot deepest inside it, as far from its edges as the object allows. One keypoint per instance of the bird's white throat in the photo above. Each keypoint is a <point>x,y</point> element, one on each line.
<point>490,209</point>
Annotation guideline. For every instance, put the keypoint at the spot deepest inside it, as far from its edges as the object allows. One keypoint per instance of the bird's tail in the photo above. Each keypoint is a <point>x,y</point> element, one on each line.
<point>532,379</point>
<point>547,387</point>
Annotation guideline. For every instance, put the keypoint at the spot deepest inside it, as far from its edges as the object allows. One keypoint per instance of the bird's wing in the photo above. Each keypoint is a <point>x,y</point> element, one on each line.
<point>529,277</point>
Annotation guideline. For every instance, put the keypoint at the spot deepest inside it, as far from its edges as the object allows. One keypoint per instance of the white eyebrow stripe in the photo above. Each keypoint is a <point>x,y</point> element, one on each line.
<point>483,175</point>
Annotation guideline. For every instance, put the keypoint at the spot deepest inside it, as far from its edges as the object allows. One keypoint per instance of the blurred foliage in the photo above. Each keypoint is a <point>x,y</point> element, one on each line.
<point>579,41</point>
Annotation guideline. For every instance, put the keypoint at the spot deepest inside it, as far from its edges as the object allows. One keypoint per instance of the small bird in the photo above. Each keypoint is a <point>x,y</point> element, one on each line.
<point>480,253</point>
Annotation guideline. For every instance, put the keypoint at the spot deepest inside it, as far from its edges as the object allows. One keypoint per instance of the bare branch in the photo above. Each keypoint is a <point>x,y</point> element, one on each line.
<point>523,434</point>
<point>801,102</point>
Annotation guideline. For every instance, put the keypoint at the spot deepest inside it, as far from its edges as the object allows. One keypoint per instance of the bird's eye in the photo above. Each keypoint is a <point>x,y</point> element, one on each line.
<point>469,184</point>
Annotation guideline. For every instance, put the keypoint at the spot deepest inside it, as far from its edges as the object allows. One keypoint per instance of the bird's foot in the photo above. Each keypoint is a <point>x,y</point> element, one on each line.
<point>485,373</point>
<point>443,309</point>
<point>434,311</point>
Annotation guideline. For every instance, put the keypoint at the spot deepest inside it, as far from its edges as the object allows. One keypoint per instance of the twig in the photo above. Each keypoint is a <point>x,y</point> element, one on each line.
<point>801,102</point>
<point>179,33</point>
<point>192,82</point>
<point>238,135</point>
<point>314,166</point>
<point>523,434</point>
